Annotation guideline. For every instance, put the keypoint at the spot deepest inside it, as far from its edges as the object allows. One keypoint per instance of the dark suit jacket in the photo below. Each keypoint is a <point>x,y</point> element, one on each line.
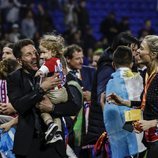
<point>87,74</point>
<point>24,93</point>
<point>23,97</point>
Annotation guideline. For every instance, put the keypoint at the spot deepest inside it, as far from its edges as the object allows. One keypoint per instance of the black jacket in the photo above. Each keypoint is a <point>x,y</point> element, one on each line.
<point>24,93</point>
<point>102,76</point>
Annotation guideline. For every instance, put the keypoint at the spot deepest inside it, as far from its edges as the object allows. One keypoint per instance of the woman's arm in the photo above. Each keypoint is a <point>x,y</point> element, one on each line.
<point>146,124</point>
<point>113,98</point>
<point>6,126</point>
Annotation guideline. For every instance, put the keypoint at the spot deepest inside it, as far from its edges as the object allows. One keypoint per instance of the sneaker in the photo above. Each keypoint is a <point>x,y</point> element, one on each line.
<point>56,138</point>
<point>49,134</point>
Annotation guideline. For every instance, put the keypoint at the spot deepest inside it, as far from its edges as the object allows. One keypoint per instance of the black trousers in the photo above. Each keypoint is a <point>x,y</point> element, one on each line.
<point>140,155</point>
<point>56,150</point>
<point>152,150</point>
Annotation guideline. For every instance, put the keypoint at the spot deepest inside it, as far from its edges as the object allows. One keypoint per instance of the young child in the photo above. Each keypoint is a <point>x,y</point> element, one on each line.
<point>129,86</point>
<point>50,50</point>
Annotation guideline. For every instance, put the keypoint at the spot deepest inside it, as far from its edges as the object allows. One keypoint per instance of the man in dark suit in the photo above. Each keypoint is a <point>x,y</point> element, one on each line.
<point>24,93</point>
<point>74,57</point>
<point>84,75</point>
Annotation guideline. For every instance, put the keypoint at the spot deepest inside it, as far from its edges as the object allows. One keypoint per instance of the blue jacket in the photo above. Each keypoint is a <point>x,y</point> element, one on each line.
<point>123,143</point>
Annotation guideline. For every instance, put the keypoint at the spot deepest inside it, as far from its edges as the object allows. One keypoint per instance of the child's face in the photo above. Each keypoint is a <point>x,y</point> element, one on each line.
<point>45,53</point>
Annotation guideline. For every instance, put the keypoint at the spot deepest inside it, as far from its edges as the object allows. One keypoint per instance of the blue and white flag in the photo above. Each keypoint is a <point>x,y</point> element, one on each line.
<point>6,143</point>
<point>128,86</point>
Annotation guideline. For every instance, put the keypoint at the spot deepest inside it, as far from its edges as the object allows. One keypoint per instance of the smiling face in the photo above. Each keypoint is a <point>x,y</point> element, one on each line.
<point>76,61</point>
<point>29,57</point>
<point>143,54</point>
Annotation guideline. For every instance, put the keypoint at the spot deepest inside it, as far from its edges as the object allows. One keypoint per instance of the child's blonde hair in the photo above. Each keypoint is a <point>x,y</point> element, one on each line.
<point>53,42</point>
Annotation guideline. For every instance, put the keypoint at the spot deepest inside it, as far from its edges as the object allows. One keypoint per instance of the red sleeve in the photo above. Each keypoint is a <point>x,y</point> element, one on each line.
<point>50,64</point>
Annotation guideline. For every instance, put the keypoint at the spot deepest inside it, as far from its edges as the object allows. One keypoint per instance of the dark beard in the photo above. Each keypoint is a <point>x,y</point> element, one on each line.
<point>32,72</point>
<point>28,69</point>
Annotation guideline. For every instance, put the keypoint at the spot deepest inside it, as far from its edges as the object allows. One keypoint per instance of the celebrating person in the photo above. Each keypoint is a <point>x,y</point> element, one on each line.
<point>148,55</point>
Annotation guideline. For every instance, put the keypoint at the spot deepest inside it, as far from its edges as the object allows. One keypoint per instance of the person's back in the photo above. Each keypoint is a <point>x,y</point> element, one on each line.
<point>96,126</point>
<point>102,76</point>
<point>127,85</point>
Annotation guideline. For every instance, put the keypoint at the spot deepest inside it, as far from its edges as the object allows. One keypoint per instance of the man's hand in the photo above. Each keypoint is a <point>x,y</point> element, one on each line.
<point>102,99</point>
<point>7,108</point>
<point>45,105</point>
<point>113,98</point>
<point>50,82</point>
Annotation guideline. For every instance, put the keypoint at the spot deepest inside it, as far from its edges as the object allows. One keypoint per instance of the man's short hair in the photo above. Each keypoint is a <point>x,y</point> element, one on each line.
<point>9,45</point>
<point>19,45</point>
<point>122,56</point>
<point>68,52</point>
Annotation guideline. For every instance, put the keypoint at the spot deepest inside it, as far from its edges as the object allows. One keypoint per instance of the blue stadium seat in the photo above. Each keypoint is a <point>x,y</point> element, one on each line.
<point>136,10</point>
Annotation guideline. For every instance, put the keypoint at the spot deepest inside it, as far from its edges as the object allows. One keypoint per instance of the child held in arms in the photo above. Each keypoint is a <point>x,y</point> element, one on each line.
<point>51,47</point>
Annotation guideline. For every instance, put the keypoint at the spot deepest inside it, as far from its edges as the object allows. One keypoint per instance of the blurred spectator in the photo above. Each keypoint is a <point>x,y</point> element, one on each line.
<point>36,38</point>
<point>15,34</point>
<point>96,56</point>
<point>4,4</point>
<point>83,15</point>
<point>12,15</point>
<point>7,52</point>
<point>28,27</point>
<point>146,30</point>
<point>69,32</point>
<point>89,38</point>
<point>76,38</point>
<point>124,24</point>
<point>5,7</point>
<point>44,20</point>
<point>70,16</point>
<point>109,27</point>
<point>2,44</point>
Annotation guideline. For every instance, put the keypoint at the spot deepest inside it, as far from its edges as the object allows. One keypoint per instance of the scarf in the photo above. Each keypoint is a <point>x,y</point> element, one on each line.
<point>3,91</point>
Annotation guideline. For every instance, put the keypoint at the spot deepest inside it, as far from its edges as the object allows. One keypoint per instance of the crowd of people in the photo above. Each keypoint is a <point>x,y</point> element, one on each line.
<point>55,106</point>
<point>54,102</point>
<point>20,19</point>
